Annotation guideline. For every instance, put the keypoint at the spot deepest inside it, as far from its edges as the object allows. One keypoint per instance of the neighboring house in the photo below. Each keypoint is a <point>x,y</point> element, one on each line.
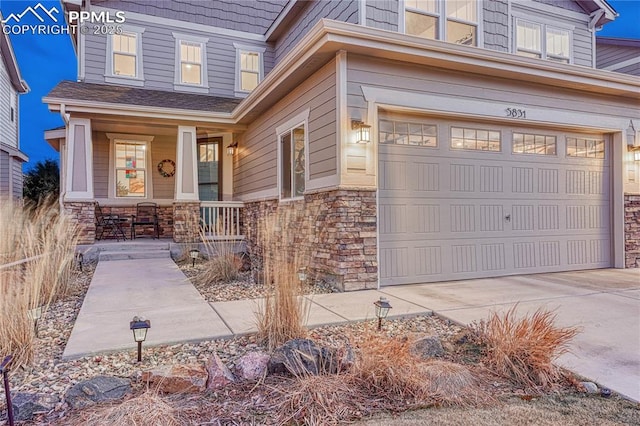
<point>618,54</point>
<point>11,86</point>
<point>427,141</point>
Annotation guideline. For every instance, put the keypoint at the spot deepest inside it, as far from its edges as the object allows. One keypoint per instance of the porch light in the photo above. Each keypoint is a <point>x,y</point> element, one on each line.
<point>363,131</point>
<point>636,155</point>
<point>139,326</point>
<point>302,274</point>
<point>35,314</point>
<point>382,310</point>
<point>194,253</point>
<point>231,149</point>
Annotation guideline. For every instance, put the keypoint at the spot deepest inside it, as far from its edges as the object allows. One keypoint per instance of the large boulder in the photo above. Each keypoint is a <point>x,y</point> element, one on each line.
<point>252,366</point>
<point>219,373</point>
<point>302,357</point>
<point>177,378</point>
<point>427,347</point>
<point>26,405</point>
<point>97,389</point>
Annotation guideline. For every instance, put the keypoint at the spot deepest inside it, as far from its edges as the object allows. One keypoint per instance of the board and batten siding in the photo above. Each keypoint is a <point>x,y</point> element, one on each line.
<point>8,128</point>
<point>159,58</point>
<point>256,168</point>
<point>162,147</point>
<point>339,10</point>
<point>411,78</point>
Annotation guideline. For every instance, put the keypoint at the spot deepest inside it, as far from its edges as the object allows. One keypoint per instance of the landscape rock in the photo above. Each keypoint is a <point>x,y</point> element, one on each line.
<point>179,378</point>
<point>590,387</point>
<point>427,347</point>
<point>219,374</point>
<point>301,357</point>
<point>26,405</point>
<point>252,366</point>
<point>97,389</point>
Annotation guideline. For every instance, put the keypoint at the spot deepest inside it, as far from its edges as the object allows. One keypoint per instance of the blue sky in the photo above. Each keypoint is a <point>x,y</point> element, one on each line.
<point>45,60</point>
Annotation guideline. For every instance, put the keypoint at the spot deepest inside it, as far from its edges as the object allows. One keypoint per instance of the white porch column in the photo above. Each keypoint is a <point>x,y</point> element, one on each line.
<point>78,160</point>
<point>187,166</point>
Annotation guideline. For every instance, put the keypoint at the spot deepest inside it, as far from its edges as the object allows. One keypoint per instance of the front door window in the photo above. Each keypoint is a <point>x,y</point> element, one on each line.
<point>208,169</point>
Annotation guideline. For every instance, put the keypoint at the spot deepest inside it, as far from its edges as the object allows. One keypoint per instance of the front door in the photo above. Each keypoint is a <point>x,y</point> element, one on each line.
<point>209,169</point>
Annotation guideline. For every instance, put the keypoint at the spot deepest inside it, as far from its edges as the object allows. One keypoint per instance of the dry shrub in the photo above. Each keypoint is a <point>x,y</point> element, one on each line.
<point>221,265</point>
<point>386,367</point>
<point>319,400</point>
<point>524,349</point>
<point>284,310</point>
<point>48,240</point>
<point>452,384</point>
<point>146,409</point>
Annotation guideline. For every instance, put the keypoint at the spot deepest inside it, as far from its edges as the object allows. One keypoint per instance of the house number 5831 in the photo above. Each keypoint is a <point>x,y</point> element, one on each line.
<point>516,113</point>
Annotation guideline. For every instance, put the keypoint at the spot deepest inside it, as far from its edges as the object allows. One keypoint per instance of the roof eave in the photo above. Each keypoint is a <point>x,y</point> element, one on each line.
<point>6,53</point>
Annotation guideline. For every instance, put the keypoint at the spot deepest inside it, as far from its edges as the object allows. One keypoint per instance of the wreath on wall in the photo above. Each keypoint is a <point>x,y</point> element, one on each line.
<point>167,168</point>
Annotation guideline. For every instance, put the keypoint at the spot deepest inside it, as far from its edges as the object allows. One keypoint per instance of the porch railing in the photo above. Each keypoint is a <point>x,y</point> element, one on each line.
<point>222,219</point>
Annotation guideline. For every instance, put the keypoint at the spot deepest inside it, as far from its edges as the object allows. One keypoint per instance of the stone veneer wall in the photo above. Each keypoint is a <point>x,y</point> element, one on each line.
<point>186,216</point>
<point>336,230</point>
<point>165,219</point>
<point>83,214</point>
<point>632,230</point>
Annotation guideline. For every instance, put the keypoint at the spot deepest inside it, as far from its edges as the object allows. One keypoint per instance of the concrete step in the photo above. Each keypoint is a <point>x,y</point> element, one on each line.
<point>132,246</point>
<point>134,255</point>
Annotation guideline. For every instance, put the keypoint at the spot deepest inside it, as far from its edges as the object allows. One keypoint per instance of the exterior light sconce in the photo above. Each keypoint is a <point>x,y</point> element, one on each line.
<point>363,130</point>
<point>382,310</point>
<point>4,370</point>
<point>231,149</point>
<point>139,326</point>
<point>636,155</point>
<point>194,253</point>
<point>35,314</point>
<point>302,274</point>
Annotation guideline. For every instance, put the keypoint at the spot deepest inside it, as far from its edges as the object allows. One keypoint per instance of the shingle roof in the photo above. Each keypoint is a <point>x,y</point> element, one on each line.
<point>104,93</point>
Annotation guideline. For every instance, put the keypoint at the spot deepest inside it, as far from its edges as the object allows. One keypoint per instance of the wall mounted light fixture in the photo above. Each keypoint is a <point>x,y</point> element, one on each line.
<point>363,131</point>
<point>231,149</point>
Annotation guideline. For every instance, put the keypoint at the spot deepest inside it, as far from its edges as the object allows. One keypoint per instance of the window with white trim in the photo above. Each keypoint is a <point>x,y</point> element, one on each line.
<point>542,41</point>
<point>191,64</point>
<point>249,70</point>
<point>455,21</point>
<point>124,57</point>
<point>475,139</point>
<point>292,162</point>
<point>130,169</point>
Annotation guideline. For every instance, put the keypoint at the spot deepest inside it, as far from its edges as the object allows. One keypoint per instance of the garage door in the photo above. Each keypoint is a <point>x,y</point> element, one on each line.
<point>460,200</point>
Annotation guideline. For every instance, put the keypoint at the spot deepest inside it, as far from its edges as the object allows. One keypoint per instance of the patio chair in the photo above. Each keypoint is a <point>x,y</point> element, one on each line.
<point>146,216</point>
<point>111,223</point>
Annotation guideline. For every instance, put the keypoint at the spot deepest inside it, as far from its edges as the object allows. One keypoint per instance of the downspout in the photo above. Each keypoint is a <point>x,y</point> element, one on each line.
<point>65,118</point>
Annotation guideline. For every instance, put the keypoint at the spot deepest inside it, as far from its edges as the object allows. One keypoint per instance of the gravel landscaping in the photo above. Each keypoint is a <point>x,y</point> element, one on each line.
<point>251,403</point>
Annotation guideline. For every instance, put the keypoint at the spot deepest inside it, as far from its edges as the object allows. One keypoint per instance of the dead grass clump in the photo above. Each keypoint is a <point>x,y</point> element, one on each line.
<point>146,409</point>
<point>386,367</point>
<point>452,384</point>
<point>523,349</point>
<point>319,400</point>
<point>221,266</point>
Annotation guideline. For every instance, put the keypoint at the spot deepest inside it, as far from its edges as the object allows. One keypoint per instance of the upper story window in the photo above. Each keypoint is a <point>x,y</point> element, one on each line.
<point>124,57</point>
<point>249,68</point>
<point>13,107</point>
<point>542,41</point>
<point>455,21</point>
<point>191,64</point>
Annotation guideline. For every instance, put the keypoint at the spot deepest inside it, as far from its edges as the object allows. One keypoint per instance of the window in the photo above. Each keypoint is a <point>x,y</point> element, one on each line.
<point>475,139</point>
<point>525,143</point>
<point>425,18</point>
<point>124,57</point>
<point>130,168</point>
<point>13,106</point>
<point>542,41</point>
<point>585,147</point>
<point>407,133</point>
<point>191,64</point>
<point>209,169</point>
<point>249,68</point>
<point>292,163</point>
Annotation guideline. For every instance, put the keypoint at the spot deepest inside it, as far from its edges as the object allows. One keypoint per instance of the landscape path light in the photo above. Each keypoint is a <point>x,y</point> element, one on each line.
<point>382,310</point>
<point>302,274</point>
<point>194,253</point>
<point>139,326</point>
<point>4,370</point>
<point>35,314</point>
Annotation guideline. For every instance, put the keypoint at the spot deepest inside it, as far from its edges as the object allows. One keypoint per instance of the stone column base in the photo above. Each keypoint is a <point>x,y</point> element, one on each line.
<point>83,213</point>
<point>186,220</point>
<point>632,231</point>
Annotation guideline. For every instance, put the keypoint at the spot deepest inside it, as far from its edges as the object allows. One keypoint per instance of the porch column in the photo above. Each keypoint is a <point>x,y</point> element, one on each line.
<point>186,206</point>
<point>78,198</point>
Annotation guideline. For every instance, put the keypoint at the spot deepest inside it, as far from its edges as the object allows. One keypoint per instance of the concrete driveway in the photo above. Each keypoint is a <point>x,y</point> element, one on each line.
<point>605,303</point>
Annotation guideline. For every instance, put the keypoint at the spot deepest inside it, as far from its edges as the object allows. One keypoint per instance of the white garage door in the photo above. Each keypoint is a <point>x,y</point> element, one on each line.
<point>461,200</point>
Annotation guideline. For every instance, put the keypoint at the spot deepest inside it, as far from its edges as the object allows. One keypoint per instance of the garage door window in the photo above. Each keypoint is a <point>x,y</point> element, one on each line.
<point>475,139</point>
<point>527,143</point>
<point>407,133</point>
<point>585,147</point>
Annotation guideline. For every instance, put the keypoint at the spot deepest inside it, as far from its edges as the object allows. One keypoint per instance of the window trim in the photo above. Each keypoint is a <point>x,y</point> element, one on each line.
<point>442,17</point>
<point>138,139</point>
<point>544,24</point>
<point>178,85</point>
<point>246,48</point>
<point>300,119</point>
<point>109,76</point>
